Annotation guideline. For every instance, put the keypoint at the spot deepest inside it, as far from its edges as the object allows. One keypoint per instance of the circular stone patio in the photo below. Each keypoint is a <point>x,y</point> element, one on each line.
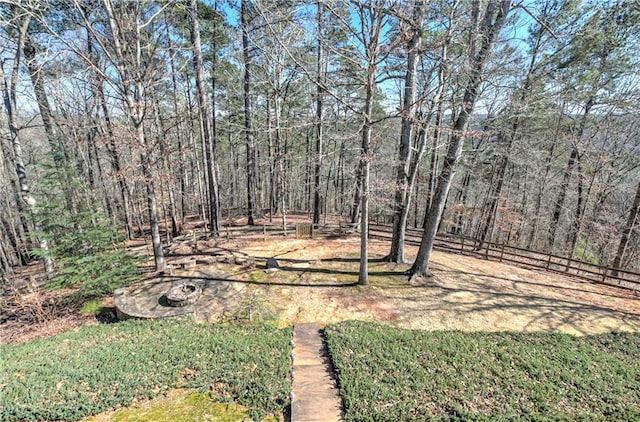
<point>149,299</point>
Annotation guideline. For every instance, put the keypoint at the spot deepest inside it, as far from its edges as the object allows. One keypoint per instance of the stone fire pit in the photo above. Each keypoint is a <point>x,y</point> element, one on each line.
<point>206,297</point>
<point>183,294</point>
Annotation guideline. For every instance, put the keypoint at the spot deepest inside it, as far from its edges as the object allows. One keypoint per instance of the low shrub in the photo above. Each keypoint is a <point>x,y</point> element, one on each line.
<point>390,374</point>
<point>91,307</point>
<point>76,374</point>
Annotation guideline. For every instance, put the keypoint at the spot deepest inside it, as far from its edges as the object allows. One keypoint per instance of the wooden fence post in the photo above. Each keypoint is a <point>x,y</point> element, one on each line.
<point>501,252</point>
<point>548,262</point>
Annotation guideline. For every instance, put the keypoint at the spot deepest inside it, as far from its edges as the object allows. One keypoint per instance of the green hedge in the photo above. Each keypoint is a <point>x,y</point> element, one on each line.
<point>81,373</point>
<point>390,374</point>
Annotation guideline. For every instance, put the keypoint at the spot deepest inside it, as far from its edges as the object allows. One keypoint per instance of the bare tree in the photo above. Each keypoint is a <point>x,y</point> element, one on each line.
<point>248,130</point>
<point>130,55</point>
<point>372,20</point>
<point>23,20</point>
<point>319,97</point>
<point>539,34</point>
<point>632,221</point>
<point>494,17</point>
<point>205,120</point>
<point>403,186</point>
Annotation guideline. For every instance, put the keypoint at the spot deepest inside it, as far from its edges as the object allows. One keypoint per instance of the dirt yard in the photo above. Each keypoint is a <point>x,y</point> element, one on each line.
<point>317,281</point>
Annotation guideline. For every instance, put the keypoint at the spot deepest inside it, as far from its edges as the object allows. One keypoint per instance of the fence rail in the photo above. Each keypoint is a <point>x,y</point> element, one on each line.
<point>535,259</point>
<point>485,250</point>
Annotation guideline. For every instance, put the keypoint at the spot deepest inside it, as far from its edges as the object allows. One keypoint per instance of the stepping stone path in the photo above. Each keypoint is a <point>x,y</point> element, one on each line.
<point>315,394</point>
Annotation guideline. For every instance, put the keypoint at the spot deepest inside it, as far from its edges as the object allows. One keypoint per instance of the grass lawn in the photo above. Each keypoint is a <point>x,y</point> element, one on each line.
<point>391,374</point>
<point>76,374</point>
<point>385,373</point>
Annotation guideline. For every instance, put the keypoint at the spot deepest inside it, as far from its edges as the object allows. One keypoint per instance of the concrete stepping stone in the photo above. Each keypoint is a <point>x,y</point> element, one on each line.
<point>315,396</point>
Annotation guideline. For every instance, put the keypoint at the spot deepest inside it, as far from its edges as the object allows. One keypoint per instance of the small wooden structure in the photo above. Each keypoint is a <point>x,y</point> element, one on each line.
<point>304,230</point>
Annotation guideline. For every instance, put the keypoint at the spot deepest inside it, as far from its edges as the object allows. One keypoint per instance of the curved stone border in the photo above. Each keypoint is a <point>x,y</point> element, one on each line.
<point>148,300</point>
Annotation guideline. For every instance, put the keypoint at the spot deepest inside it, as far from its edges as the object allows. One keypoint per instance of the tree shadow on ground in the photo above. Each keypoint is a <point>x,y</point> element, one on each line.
<point>468,294</point>
<point>206,278</point>
<point>620,292</point>
<point>471,300</point>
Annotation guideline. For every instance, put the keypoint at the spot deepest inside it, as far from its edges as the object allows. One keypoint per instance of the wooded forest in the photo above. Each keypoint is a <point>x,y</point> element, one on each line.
<point>507,121</point>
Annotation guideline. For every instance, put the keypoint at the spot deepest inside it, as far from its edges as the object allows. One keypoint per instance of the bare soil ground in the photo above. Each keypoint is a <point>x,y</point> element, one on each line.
<point>317,281</point>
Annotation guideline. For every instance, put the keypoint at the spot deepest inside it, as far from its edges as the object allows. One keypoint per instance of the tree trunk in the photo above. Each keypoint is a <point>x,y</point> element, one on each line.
<point>559,204</point>
<point>403,187</point>
<point>371,27</point>
<point>182,159</point>
<point>462,199</point>
<point>363,275</point>
<point>167,170</point>
<point>18,235</point>
<point>205,118</point>
<point>490,27</point>
<point>626,233</point>
<point>156,241</point>
<point>273,207</point>
<point>97,90</point>
<point>250,142</point>
<point>94,157</point>
<point>5,261</point>
<point>13,236</point>
<point>495,194</point>
<point>574,231</point>
<point>433,165</point>
<point>9,96</point>
<point>200,172</point>
<point>58,150</point>
<point>318,155</point>
<point>495,191</point>
<point>357,197</point>
<point>340,175</point>
<point>280,160</point>
<point>133,88</point>
<point>543,184</point>
<point>566,178</point>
